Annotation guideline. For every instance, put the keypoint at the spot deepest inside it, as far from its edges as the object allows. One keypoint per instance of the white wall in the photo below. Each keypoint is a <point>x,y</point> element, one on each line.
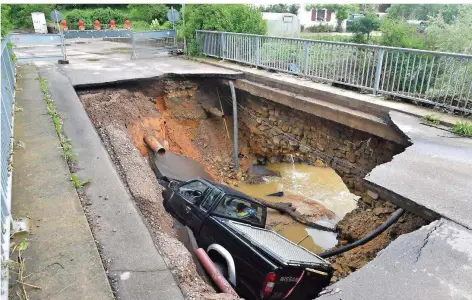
<point>305,18</point>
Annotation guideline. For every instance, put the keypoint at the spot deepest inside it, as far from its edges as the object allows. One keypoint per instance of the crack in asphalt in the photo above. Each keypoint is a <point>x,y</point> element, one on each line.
<point>425,241</point>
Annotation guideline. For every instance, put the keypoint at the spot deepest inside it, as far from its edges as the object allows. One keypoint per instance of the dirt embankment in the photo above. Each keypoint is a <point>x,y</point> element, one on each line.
<point>122,117</point>
<point>362,221</point>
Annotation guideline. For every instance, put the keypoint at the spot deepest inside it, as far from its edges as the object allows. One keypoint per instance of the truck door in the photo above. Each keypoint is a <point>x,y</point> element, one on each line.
<point>186,196</point>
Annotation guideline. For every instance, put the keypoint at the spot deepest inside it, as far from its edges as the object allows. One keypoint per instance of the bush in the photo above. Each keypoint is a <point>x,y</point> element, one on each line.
<point>73,17</point>
<point>6,19</point>
<point>365,25</point>
<point>222,17</point>
<point>148,12</point>
<point>398,33</point>
<point>104,15</point>
<point>20,14</point>
<point>320,28</point>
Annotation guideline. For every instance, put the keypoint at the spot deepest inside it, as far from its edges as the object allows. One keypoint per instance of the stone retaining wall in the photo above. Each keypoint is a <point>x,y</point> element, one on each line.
<point>277,131</point>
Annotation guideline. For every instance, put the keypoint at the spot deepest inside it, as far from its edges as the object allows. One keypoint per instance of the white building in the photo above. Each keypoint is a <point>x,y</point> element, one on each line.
<point>318,17</point>
<point>282,24</point>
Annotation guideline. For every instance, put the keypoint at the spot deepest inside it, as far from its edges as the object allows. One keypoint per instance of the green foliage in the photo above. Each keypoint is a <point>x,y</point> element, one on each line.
<point>424,11</point>
<point>240,18</point>
<point>20,14</point>
<point>6,18</point>
<point>75,15</point>
<point>77,182</point>
<point>432,119</point>
<point>398,33</point>
<point>281,8</point>
<point>452,37</point>
<point>57,121</point>
<point>320,28</point>
<point>148,12</point>
<point>463,129</point>
<point>365,25</point>
<point>104,15</point>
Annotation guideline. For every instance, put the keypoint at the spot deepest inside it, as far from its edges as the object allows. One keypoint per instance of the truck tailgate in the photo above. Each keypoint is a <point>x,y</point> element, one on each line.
<point>277,246</point>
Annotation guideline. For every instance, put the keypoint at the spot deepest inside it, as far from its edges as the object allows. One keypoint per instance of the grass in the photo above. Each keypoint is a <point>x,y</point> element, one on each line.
<point>77,182</point>
<point>463,129</point>
<point>432,119</point>
<point>67,148</point>
<point>57,121</point>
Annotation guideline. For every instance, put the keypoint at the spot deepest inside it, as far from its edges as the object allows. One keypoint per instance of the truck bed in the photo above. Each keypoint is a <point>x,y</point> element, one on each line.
<point>277,246</point>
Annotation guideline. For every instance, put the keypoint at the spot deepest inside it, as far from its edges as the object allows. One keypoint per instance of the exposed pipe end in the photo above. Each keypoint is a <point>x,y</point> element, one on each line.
<point>154,145</point>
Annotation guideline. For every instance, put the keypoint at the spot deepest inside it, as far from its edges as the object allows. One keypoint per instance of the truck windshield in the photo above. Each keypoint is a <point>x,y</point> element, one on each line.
<point>241,209</point>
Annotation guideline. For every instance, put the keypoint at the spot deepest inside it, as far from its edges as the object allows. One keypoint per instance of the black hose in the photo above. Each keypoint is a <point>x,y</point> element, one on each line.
<point>393,218</point>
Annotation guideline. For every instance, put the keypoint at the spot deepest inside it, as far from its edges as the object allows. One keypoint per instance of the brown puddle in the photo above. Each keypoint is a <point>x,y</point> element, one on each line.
<point>317,192</point>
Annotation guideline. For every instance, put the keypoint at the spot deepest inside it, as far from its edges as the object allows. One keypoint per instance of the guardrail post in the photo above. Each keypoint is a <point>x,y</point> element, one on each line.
<point>258,51</point>
<point>378,70</point>
<point>133,44</point>
<point>222,46</point>
<point>307,50</point>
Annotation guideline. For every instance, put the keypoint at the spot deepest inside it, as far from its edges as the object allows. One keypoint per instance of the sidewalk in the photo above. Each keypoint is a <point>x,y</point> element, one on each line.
<point>62,258</point>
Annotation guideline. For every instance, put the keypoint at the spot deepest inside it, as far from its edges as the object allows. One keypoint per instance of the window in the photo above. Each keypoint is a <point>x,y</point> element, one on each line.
<point>288,19</point>
<point>193,191</point>
<point>210,199</point>
<point>320,14</point>
<point>241,209</point>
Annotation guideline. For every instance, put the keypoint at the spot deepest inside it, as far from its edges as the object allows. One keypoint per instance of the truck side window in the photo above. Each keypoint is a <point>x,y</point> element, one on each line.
<point>193,191</point>
<point>242,209</point>
<point>210,199</point>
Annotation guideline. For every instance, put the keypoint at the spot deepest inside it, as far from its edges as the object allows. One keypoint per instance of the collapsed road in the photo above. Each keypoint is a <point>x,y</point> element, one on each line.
<point>271,132</point>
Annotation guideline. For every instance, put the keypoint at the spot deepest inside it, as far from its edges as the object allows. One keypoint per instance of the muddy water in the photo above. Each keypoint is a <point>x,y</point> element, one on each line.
<point>306,187</point>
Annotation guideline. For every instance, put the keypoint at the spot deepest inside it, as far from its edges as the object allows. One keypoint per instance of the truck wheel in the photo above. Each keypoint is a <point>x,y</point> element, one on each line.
<point>222,268</point>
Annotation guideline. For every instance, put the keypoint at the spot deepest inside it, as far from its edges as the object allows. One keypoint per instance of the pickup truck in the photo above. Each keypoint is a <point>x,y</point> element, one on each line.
<point>230,226</point>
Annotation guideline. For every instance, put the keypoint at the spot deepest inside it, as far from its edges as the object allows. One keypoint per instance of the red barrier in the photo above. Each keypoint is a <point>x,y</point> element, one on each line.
<point>64,25</point>
<point>127,24</point>
<point>112,24</point>
<point>81,25</point>
<point>96,25</point>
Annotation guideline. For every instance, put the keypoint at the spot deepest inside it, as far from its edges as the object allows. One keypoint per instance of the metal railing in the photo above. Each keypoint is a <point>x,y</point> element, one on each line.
<point>54,42</point>
<point>8,82</point>
<point>87,34</point>
<point>438,78</point>
<point>150,42</point>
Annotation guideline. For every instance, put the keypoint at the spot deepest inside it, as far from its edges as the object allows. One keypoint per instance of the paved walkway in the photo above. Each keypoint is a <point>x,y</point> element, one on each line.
<point>62,257</point>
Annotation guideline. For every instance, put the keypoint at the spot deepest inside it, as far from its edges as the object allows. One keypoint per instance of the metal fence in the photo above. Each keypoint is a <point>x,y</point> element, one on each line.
<point>53,45</point>
<point>437,78</point>
<point>8,83</point>
<point>150,42</point>
<point>87,34</point>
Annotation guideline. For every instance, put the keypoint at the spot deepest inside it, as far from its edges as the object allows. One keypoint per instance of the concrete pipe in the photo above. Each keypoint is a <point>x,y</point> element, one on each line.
<point>214,273</point>
<point>154,145</point>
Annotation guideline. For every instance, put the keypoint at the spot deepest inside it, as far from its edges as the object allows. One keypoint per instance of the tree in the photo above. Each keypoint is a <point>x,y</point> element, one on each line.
<point>148,12</point>
<point>365,25</point>
<point>221,17</point>
<point>455,37</point>
<point>342,11</point>
<point>281,8</point>
<point>6,18</point>
<point>424,11</point>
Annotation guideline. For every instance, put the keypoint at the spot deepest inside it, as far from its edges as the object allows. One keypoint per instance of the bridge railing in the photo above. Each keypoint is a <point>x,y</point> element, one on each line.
<point>8,82</point>
<point>438,78</point>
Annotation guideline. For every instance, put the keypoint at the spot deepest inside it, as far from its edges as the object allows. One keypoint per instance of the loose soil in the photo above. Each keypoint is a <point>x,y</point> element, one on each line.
<point>172,111</point>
